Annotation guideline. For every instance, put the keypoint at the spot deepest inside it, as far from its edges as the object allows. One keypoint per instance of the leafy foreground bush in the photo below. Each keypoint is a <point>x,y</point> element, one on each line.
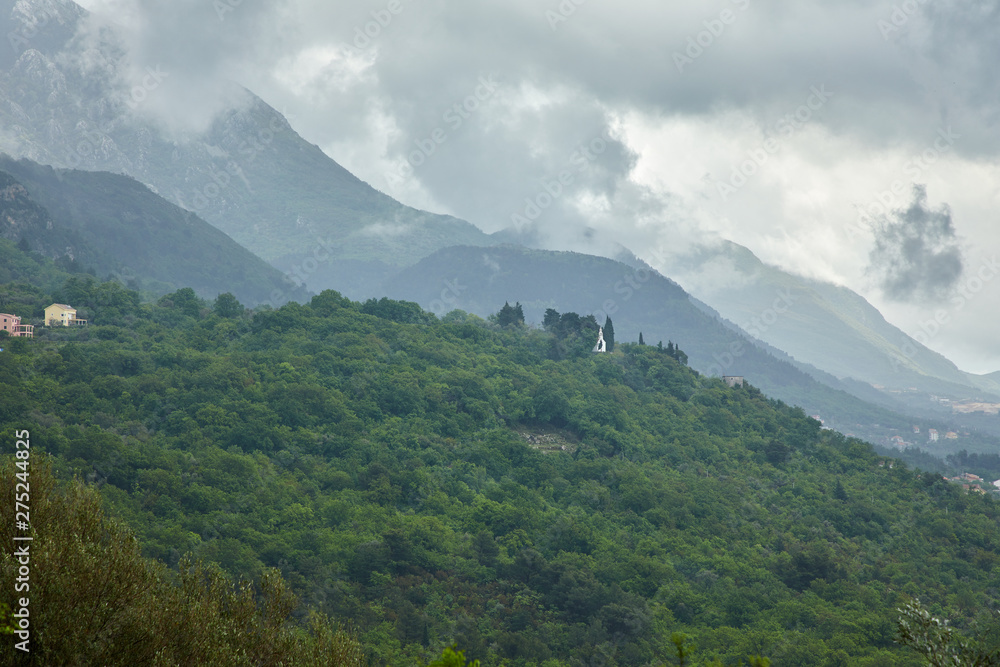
<point>940,643</point>
<point>94,600</point>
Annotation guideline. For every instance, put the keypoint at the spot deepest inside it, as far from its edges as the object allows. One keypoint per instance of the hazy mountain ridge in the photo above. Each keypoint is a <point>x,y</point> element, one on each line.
<point>828,326</point>
<point>253,177</point>
<point>250,174</point>
<point>113,224</point>
<point>479,280</point>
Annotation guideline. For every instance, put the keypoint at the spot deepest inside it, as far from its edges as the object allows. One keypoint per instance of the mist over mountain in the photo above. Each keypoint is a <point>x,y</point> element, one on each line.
<point>112,225</point>
<point>70,102</point>
<point>822,324</point>
<point>681,405</point>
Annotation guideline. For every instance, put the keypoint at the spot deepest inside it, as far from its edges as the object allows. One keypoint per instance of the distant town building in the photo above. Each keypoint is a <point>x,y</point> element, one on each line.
<point>932,434</point>
<point>61,315</point>
<point>970,482</point>
<point>601,345</point>
<point>12,325</point>
<point>733,380</point>
<point>916,429</point>
<point>968,408</point>
<point>951,435</point>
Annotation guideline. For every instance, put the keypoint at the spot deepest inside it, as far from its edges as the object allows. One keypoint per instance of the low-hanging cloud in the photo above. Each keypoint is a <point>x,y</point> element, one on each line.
<point>374,83</point>
<point>180,63</point>
<point>916,254</point>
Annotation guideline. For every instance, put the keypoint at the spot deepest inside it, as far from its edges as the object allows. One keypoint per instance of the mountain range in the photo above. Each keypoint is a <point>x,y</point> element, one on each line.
<point>255,179</point>
<point>115,226</point>
<point>250,174</point>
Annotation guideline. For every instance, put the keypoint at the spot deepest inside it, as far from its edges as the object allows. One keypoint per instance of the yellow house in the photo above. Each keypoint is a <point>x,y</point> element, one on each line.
<point>61,315</point>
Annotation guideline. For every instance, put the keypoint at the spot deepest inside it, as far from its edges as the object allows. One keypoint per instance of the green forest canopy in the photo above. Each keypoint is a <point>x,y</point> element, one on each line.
<point>438,482</point>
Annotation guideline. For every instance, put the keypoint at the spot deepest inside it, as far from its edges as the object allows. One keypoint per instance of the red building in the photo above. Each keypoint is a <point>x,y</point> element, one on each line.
<point>12,325</point>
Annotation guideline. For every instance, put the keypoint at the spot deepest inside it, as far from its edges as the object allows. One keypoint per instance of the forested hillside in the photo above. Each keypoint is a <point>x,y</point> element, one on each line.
<point>437,481</point>
<point>640,300</point>
<point>113,224</point>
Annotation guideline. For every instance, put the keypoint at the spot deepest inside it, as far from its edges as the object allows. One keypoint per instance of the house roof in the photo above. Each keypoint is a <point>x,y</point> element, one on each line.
<point>62,305</point>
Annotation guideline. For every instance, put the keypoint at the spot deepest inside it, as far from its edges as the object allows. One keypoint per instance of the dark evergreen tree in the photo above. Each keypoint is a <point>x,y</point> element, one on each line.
<point>510,315</point>
<point>641,341</point>
<point>670,349</point>
<point>838,492</point>
<point>551,319</point>
<point>777,452</point>
<point>569,323</point>
<point>609,334</point>
<point>680,355</point>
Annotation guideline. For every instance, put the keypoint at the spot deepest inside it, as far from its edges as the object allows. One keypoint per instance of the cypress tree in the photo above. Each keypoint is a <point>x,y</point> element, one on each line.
<point>609,334</point>
<point>510,315</point>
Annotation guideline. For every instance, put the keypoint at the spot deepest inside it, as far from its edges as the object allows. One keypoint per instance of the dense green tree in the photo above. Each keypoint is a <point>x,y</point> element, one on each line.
<point>938,642</point>
<point>609,334</point>
<point>184,301</point>
<point>777,452</point>
<point>510,316</point>
<point>452,657</point>
<point>95,600</point>
<point>226,305</point>
<point>551,319</point>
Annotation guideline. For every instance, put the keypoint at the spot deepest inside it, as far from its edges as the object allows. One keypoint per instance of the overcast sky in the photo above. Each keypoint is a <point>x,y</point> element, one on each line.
<point>649,110</point>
